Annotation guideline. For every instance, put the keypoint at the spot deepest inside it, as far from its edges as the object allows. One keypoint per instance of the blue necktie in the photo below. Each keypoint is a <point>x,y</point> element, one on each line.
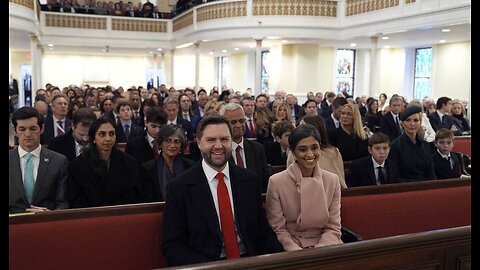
<point>127,131</point>
<point>28,177</point>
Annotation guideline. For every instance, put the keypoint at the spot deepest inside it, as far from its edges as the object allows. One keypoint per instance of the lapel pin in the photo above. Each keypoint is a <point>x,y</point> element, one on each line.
<point>45,159</point>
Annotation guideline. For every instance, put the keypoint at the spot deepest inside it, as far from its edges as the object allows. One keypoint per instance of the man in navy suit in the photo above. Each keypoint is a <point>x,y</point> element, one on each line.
<point>37,176</point>
<point>246,154</point>
<point>142,147</point>
<point>172,106</point>
<point>72,143</point>
<point>332,122</point>
<point>57,123</point>
<point>442,119</point>
<point>126,128</point>
<point>390,122</point>
<point>194,207</point>
<point>374,169</point>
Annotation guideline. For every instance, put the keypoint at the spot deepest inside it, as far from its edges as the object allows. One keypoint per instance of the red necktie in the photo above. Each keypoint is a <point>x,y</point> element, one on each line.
<point>252,131</point>
<point>155,150</point>
<point>226,219</point>
<point>60,129</point>
<point>239,157</point>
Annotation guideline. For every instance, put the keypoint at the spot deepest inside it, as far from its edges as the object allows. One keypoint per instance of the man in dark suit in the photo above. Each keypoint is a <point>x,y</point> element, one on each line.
<point>374,169</point>
<point>332,122</point>
<point>295,109</point>
<point>247,154</point>
<point>143,147</point>
<point>326,105</point>
<point>126,128</point>
<point>72,144</point>
<point>41,184</point>
<point>57,123</point>
<point>390,122</point>
<point>214,210</point>
<point>171,106</point>
<point>248,105</point>
<point>277,151</point>
<point>442,119</point>
<point>13,94</point>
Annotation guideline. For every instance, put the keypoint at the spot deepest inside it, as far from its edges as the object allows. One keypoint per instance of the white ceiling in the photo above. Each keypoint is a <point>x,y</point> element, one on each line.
<point>424,36</point>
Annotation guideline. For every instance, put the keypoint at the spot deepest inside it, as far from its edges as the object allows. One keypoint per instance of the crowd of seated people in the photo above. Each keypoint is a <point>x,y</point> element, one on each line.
<point>136,117</point>
<point>201,152</point>
<point>93,7</point>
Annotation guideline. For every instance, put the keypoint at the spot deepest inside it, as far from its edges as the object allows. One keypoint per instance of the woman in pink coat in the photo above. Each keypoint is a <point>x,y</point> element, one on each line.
<point>303,202</point>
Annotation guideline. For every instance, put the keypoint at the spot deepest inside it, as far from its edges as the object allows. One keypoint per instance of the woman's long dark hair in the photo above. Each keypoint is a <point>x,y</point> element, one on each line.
<point>91,153</point>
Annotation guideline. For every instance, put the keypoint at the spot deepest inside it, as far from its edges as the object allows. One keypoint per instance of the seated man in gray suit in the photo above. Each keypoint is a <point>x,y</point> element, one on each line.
<point>37,176</point>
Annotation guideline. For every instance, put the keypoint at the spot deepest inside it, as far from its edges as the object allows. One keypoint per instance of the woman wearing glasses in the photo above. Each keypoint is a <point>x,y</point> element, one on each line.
<point>159,172</point>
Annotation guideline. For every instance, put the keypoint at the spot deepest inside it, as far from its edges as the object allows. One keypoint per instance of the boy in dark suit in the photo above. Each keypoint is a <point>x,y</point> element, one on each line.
<point>446,163</point>
<point>277,151</point>
<point>375,169</point>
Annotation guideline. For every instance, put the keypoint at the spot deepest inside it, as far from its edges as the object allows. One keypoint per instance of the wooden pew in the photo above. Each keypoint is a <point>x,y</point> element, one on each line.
<point>442,249</point>
<point>129,236</point>
<point>395,209</point>
<point>463,144</point>
<point>117,237</point>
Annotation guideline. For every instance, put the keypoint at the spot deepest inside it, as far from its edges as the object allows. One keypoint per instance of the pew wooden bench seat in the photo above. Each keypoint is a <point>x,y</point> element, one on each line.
<point>129,236</point>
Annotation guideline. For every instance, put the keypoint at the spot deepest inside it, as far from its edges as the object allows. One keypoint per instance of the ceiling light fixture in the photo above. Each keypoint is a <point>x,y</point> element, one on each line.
<point>442,41</point>
<point>224,51</point>
<point>386,47</point>
<point>236,49</point>
<point>445,30</point>
<point>50,45</point>
<point>353,44</point>
<point>385,38</point>
<point>159,49</point>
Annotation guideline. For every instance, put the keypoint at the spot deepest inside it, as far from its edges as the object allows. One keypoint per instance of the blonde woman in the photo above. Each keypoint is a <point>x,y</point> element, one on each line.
<point>426,131</point>
<point>350,137</point>
<point>282,112</point>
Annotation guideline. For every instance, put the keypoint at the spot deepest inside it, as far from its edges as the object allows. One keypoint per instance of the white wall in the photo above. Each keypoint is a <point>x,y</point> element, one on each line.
<point>452,70</point>
<point>325,69</point>
<point>296,69</point>
<point>391,70</point>
<point>237,77</point>
<point>63,70</point>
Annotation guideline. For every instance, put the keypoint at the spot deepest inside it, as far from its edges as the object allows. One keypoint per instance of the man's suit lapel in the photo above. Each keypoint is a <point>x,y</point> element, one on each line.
<point>42,170</point>
<point>71,148</point>
<point>249,154</point>
<point>370,171</point>
<point>18,179</point>
<point>203,201</point>
<point>237,184</point>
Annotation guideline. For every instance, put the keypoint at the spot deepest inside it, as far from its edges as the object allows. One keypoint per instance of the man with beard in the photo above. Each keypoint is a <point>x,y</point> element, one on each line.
<point>214,210</point>
<point>74,141</point>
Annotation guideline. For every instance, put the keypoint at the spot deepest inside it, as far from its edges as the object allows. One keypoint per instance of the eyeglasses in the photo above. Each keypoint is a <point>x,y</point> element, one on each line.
<point>174,141</point>
<point>234,122</point>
